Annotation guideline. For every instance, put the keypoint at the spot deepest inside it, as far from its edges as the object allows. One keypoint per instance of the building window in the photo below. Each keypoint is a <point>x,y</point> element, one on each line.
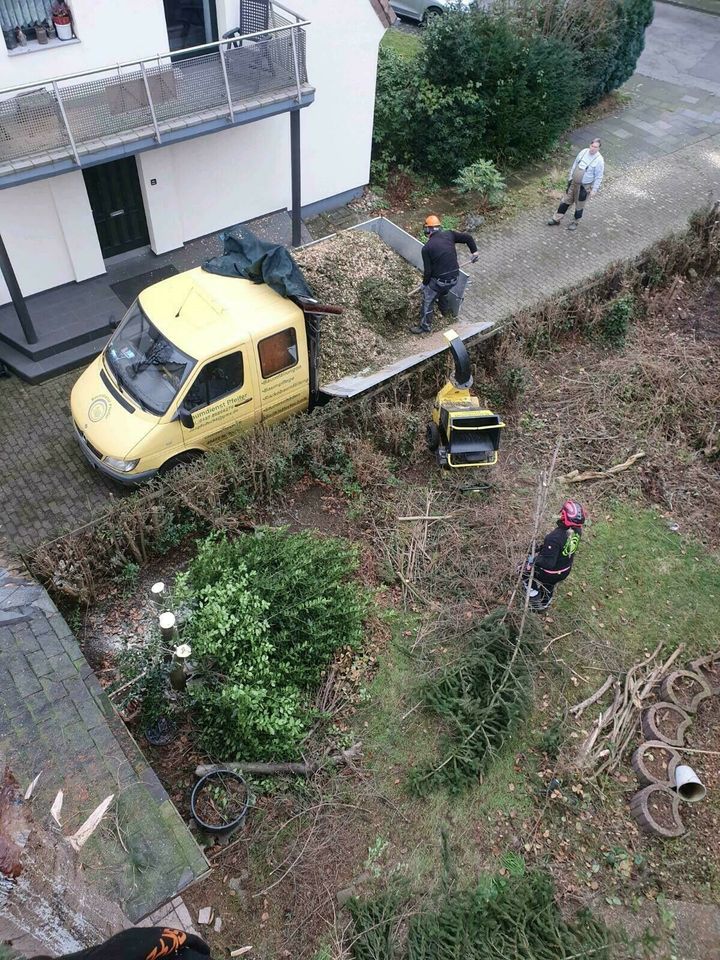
<point>190,23</point>
<point>216,380</point>
<point>30,25</point>
<point>278,352</point>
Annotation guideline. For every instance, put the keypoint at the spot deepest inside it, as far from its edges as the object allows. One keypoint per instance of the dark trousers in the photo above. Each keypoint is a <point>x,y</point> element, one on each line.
<point>545,584</point>
<point>436,290</point>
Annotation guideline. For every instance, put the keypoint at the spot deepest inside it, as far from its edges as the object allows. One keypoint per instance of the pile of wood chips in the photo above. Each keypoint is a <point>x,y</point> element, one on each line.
<point>338,271</point>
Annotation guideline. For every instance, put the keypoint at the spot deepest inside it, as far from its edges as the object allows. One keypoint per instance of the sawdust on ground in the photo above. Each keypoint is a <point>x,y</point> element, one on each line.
<point>372,283</point>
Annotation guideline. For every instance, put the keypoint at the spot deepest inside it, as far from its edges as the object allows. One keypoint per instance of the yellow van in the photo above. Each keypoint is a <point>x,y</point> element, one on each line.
<point>197,359</point>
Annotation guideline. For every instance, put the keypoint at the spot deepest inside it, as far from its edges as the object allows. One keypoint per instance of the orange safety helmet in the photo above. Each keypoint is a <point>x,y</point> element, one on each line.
<point>432,223</point>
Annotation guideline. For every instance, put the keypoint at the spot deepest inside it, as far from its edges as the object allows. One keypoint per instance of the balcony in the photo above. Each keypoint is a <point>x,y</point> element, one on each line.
<point>91,117</point>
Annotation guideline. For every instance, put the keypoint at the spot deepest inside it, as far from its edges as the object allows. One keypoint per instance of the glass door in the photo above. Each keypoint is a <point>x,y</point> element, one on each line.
<point>190,23</point>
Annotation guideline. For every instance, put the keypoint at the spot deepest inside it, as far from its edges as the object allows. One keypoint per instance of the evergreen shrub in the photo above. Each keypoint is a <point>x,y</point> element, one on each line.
<point>267,613</point>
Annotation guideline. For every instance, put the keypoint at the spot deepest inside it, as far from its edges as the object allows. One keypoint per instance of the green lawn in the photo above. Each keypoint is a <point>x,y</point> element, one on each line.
<point>635,583</point>
<point>406,44</point>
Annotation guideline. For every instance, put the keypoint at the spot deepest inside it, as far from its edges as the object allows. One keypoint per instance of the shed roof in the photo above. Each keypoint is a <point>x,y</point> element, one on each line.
<point>384,11</point>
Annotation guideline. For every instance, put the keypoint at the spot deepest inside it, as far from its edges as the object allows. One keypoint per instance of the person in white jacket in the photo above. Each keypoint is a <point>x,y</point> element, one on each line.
<point>586,175</point>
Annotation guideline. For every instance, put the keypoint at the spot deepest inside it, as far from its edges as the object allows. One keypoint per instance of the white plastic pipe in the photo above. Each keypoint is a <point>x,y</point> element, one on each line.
<point>688,784</point>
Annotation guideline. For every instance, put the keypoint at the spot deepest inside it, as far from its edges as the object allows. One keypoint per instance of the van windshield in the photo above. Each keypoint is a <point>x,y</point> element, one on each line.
<point>146,364</point>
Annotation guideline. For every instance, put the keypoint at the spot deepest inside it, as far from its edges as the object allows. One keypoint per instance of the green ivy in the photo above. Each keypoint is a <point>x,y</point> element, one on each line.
<point>616,319</point>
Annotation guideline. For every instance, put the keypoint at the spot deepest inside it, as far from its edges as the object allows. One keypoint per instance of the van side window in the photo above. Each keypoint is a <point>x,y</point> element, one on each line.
<point>278,352</point>
<point>216,380</point>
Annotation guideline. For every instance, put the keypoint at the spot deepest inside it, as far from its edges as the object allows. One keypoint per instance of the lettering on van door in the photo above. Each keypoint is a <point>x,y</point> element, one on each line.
<point>218,401</point>
<point>284,385</point>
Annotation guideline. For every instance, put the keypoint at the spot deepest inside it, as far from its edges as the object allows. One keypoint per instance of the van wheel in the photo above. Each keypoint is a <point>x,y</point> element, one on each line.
<point>189,456</point>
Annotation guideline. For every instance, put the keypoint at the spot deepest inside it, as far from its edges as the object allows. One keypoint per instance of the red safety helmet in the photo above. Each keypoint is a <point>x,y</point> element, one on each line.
<point>572,514</point>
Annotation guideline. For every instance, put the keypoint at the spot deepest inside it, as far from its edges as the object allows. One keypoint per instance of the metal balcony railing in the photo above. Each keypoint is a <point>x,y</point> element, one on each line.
<point>76,115</point>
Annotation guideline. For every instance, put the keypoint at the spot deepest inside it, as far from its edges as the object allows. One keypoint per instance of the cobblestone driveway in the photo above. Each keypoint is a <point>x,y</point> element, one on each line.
<point>46,485</point>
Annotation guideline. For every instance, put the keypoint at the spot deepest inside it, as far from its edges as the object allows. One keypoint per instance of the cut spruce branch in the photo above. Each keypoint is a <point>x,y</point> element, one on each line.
<point>580,708</point>
<point>305,769</point>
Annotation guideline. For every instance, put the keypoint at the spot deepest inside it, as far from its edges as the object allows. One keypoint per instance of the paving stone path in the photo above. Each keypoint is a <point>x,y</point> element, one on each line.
<point>55,720</point>
<point>525,261</point>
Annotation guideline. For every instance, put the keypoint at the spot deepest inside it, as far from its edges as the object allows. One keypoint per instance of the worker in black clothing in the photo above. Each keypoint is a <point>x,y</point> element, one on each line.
<point>441,269</point>
<point>554,558</point>
<point>146,943</point>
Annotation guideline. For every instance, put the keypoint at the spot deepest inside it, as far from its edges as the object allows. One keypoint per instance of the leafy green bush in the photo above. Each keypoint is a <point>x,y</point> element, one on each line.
<point>607,35</point>
<point>616,319</point>
<point>477,88</point>
<point>503,83</point>
<point>635,16</point>
<point>268,611</point>
<point>396,113</point>
<point>484,178</point>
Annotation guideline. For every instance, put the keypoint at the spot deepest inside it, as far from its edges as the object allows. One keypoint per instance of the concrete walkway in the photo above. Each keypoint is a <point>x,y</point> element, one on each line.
<point>56,721</point>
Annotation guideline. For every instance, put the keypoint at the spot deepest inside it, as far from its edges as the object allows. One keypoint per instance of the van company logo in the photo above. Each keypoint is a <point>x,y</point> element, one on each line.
<point>99,409</point>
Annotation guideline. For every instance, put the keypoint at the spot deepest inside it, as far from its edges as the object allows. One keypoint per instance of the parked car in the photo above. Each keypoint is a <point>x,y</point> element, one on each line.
<point>420,10</point>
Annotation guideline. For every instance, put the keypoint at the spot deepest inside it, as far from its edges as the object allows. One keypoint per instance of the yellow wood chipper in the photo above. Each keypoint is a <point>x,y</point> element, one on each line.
<point>462,433</point>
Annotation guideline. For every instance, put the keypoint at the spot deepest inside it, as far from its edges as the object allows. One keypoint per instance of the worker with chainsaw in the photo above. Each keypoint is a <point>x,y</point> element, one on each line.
<point>440,269</point>
<point>553,559</point>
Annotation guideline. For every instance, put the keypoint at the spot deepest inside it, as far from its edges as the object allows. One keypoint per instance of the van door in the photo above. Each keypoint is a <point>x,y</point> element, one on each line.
<point>222,401</point>
<point>284,375</point>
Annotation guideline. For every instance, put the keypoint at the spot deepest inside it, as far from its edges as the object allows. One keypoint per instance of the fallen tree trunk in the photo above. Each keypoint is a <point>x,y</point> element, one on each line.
<point>283,769</point>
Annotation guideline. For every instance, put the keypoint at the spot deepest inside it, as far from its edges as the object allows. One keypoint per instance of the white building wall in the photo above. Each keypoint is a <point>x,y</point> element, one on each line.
<point>214,181</point>
<point>208,183</point>
<point>108,32</point>
<point>50,222</point>
<point>49,234</point>
<point>223,178</point>
<point>342,50</point>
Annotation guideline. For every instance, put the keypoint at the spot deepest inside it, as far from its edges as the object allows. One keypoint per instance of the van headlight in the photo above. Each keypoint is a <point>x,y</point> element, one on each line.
<point>122,466</point>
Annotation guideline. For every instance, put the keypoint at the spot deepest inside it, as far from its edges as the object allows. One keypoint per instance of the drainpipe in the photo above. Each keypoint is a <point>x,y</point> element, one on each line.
<point>16,294</point>
<point>295,176</point>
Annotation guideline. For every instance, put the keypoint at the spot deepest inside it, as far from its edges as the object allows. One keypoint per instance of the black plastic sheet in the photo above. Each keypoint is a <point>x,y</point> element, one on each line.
<point>247,256</point>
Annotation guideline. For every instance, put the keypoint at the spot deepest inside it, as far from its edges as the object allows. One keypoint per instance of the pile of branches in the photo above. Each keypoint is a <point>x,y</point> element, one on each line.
<point>508,917</point>
<point>615,727</point>
<point>480,699</point>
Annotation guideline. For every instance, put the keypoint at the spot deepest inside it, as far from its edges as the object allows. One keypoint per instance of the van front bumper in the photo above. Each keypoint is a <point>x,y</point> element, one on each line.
<point>97,463</point>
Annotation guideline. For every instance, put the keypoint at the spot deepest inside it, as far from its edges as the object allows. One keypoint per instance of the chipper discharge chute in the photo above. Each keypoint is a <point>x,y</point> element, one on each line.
<point>462,433</point>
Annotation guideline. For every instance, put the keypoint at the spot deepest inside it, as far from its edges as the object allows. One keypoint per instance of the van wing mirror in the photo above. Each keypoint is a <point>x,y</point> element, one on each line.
<point>113,322</point>
<point>185,418</point>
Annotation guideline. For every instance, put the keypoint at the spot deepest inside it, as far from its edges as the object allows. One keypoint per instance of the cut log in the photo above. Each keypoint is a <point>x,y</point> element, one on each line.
<point>283,769</point>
